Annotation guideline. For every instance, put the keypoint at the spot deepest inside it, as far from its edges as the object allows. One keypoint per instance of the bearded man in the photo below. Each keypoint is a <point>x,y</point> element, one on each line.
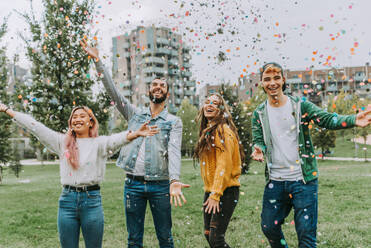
<point>152,164</point>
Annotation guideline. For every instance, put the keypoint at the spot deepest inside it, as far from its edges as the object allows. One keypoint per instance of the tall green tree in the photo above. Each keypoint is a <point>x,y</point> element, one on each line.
<point>343,104</point>
<point>15,165</point>
<point>324,139</point>
<point>5,122</point>
<point>188,113</point>
<point>60,68</point>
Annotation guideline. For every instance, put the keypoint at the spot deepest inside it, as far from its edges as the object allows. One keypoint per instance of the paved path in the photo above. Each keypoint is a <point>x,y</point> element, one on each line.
<point>36,162</point>
<point>361,141</point>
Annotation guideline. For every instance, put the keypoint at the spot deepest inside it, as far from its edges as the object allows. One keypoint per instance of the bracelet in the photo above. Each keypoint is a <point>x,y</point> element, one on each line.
<point>7,108</point>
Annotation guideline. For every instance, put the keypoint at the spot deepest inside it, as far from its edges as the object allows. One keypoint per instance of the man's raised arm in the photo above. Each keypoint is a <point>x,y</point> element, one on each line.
<point>122,104</point>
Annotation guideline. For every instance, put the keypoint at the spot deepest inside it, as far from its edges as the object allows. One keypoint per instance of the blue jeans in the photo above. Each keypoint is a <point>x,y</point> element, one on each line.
<point>136,195</point>
<point>279,197</point>
<point>80,209</point>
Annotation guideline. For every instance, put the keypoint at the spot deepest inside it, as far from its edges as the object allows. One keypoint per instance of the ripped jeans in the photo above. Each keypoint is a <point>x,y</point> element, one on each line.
<point>136,196</point>
<point>215,225</point>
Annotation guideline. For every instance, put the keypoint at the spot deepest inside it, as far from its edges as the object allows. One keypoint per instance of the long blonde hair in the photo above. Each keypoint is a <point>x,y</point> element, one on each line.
<point>72,151</point>
<point>206,132</point>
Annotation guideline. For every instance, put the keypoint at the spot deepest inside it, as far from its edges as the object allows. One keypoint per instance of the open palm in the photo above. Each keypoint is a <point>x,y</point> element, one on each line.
<point>363,119</point>
<point>92,51</point>
<point>146,130</point>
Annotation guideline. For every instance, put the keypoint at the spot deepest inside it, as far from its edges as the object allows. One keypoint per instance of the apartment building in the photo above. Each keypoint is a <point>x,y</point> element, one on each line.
<point>148,53</point>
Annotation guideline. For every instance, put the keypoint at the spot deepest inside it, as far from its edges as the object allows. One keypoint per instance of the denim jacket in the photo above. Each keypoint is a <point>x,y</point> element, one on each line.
<point>306,114</point>
<point>162,151</point>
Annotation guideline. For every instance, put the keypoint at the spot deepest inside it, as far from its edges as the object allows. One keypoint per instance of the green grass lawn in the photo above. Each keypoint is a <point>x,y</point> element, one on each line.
<point>345,148</point>
<point>29,210</point>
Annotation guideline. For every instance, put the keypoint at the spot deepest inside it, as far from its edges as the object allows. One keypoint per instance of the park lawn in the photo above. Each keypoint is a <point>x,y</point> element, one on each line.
<point>29,210</point>
<point>345,148</point>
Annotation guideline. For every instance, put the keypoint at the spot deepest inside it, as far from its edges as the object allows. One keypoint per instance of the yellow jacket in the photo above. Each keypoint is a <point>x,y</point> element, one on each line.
<point>221,165</point>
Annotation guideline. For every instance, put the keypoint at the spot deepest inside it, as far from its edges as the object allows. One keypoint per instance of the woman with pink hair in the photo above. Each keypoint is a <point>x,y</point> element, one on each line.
<point>83,155</point>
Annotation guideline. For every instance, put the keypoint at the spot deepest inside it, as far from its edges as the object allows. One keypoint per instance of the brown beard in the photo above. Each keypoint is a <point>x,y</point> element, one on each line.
<point>157,100</point>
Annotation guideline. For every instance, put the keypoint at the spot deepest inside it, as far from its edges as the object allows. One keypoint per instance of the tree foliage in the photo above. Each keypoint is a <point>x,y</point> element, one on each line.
<point>242,119</point>
<point>5,122</point>
<point>324,139</point>
<point>188,114</point>
<point>60,68</point>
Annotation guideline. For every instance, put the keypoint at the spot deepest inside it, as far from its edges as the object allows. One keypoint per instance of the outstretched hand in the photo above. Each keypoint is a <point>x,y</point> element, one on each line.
<point>91,51</point>
<point>363,118</point>
<point>257,154</point>
<point>3,107</point>
<point>7,110</point>
<point>176,195</point>
<point>144,130</point>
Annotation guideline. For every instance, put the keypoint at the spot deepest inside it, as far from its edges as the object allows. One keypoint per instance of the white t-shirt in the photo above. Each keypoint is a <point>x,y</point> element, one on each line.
<point>285,155</point>
<point>139,169</point>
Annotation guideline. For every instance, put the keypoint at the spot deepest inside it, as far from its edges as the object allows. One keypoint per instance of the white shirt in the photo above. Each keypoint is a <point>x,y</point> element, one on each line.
<point>93,152</point>
<point>285,155</point>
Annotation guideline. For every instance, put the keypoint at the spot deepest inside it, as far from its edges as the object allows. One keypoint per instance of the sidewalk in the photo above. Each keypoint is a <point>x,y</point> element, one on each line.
<point>56,162</point>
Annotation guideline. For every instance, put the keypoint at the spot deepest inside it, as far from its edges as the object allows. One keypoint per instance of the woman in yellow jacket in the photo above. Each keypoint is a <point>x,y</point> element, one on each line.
<point>220,154</point>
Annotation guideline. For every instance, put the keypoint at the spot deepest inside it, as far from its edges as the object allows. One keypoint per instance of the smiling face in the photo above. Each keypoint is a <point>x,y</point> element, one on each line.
<point>273,81</point>
<point>81,123</point>
<point>211,107</point>
<point>158,91</point>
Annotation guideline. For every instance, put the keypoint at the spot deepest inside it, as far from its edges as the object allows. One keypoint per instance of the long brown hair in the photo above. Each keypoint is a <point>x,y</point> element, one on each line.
<point>72,152</point>
<point>208,131</point>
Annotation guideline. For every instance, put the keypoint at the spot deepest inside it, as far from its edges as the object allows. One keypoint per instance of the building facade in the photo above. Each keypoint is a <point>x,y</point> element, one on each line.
<point>148,53</point>
<point>317,85</point>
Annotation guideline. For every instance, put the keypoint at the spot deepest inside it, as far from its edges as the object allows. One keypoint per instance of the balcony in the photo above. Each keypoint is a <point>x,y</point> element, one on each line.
<point>148,51</point>
<point>186,65</point>
<point>293,80</point>
<point>126,45</point>
<point>153,69</point>
<point>190,83</point>
<point>186,73</point>
<point>152,60</point>
<point>163,41</point>
<point>346,88</point>
<point>189,93</point>
<point>173,62</point>
<point>174,53</point>
<point>332,88</point>
<point>163,50</point>
<point>126,54</point>
<point>359,76</point>
<point>178,101</point>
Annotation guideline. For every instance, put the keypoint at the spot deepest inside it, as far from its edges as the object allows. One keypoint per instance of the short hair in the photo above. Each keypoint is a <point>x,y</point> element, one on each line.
<point>272,65</point>
<point>161,79</point>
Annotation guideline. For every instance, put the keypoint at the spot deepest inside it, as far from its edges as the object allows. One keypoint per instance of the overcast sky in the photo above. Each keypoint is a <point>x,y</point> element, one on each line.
<point>296,33</point>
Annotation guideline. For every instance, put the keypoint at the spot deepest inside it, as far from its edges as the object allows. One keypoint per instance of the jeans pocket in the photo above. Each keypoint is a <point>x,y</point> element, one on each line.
<point>94,194</point>
<point>128,181</point>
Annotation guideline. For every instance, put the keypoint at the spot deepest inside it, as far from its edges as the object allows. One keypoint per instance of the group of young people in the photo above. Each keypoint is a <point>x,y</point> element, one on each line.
<point>150,155</point>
